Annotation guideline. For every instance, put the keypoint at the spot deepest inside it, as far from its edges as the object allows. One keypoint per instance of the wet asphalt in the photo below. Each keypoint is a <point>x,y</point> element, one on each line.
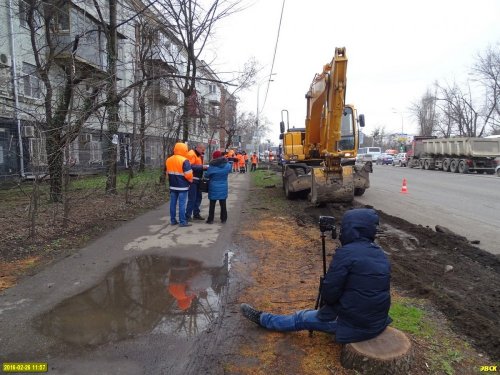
<point>134,301</point>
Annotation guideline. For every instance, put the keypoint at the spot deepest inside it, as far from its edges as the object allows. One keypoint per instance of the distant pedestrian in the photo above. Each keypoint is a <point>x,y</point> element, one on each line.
<point>254,159</point>
<point>195,157</point>
<point>245,156</point>
<point>241,162</point>
<point>217,172</point>
<point>180,177</point>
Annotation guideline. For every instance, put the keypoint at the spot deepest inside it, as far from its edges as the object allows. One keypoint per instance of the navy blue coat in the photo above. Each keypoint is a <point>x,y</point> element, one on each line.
<point>356,288</point>
<point>217,173</point>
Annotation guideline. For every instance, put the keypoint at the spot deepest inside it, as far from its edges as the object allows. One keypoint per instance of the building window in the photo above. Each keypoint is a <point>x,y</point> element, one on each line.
<point>31,81</point>
<point>95,152</point>
<point>212,89</point>
<point>61,19</point>
<point>22,13</point>
<point>38,152</point>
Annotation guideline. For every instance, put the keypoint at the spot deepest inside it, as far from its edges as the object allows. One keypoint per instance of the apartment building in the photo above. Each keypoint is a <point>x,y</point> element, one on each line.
<point>150,59</point>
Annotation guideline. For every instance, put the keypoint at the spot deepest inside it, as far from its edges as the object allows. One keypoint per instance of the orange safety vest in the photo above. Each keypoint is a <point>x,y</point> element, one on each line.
<point>178,291</point>
<point>241,160</point>
<point>254,159</point>
<point>194,159</point>
<point>179,171</point>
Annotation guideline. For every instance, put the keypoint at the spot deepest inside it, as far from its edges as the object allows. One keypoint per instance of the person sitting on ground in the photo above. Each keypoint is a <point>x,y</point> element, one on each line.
<point>355,291</point>
<point>217,173</point>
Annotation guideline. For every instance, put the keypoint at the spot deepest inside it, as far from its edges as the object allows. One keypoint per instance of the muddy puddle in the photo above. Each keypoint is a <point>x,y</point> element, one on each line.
<point>147,294</point>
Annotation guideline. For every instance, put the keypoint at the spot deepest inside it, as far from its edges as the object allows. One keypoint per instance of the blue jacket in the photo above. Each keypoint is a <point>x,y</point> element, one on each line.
<point>217,173</point>
<point>356,288</point>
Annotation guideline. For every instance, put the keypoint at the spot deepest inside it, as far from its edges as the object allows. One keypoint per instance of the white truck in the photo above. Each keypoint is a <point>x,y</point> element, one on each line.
<point>462,155</point>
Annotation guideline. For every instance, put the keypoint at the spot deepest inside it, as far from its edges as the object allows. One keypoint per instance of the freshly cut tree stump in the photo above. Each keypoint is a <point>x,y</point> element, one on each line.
<point>388,353</point>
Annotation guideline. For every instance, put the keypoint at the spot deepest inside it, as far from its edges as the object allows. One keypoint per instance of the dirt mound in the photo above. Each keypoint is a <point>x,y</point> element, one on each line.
<point>462,280</point>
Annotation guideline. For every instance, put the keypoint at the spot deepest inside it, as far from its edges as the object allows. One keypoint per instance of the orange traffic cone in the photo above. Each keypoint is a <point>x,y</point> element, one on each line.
<point>404,188</point>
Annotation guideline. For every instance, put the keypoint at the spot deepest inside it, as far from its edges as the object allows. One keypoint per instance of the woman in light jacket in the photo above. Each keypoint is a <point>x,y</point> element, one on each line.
<point>217,172</point>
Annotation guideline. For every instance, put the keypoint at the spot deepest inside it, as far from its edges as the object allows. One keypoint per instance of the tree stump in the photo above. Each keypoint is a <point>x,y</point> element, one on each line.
<point>388,353</point>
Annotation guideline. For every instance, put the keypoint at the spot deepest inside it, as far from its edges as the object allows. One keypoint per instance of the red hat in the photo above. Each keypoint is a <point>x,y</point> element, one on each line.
<point>216,154</point>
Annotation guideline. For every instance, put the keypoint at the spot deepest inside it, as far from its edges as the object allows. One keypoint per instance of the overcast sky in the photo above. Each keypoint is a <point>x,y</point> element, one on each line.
<point>396,50</point>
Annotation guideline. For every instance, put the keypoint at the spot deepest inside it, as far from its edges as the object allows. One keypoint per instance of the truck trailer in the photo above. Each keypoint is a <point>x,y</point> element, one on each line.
<point>457,155</point>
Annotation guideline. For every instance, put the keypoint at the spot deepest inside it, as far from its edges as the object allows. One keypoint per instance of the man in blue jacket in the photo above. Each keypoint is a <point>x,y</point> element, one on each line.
<point>355,291</point>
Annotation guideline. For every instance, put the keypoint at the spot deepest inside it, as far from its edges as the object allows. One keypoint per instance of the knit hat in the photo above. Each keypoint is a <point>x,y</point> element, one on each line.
<point>216,154</point>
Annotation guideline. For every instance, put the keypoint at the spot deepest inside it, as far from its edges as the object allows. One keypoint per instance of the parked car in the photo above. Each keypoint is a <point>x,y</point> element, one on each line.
<point>368,153</point>
<point>385,159</point>
<point>401,159</point>
<point>497,170</point>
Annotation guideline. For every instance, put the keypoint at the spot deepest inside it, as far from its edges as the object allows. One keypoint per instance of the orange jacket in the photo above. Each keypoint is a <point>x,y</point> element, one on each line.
<point>196,164</point>
<point>230,154</point>
<point>179,292</point>
<point>179,171</point>
<point>254,159</point>
<point>241,160</point>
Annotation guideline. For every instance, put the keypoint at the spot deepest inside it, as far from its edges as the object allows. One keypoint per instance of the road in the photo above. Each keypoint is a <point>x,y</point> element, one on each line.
<point>468,204</point>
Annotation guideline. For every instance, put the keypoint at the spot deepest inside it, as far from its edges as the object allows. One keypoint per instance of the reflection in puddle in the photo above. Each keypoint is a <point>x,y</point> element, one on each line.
<point>146,294</point>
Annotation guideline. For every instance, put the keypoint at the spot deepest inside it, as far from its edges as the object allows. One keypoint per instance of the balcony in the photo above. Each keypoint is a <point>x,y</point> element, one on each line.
<point>163,92</point>
<point>90,54</point>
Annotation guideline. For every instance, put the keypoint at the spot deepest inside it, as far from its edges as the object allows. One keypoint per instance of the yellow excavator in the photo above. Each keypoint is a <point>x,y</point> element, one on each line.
<point>319,161</point>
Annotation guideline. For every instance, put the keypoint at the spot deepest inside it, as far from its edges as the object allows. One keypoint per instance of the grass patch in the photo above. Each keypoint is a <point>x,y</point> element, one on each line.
<point>406,317</point>
<point>149,176</point>
<point>262,178</point>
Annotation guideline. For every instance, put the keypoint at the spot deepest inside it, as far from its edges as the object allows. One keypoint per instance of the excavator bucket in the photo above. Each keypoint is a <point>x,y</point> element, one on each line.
<point>332,187</point>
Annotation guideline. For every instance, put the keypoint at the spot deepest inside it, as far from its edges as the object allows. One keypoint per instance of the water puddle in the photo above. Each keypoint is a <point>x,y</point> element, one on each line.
<point>147,294</point>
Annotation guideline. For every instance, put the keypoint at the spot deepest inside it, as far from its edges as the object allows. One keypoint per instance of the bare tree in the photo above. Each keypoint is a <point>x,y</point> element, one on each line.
<point>460,112</point>
<point>193,25</point>
<point>378,135</point>
<point>425,112</point>
<point>61,91</point>
<point>487,71</point>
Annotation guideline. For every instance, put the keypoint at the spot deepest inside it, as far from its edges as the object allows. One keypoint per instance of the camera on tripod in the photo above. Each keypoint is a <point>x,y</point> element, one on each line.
<point>326,224</point>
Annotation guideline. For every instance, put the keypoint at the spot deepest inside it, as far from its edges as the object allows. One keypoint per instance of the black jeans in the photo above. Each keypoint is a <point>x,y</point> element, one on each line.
<point>223,211</point>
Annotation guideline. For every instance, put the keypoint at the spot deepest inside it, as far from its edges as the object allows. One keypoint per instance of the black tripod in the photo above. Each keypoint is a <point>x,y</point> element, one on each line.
<point>326,224</point>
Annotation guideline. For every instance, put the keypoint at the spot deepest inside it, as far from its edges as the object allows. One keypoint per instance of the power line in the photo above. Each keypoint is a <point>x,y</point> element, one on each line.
<point>274,55</point>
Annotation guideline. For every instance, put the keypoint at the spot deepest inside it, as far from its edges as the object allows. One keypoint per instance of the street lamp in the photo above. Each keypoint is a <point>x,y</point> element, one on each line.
<point>266,79</point>
<point>395,111</point>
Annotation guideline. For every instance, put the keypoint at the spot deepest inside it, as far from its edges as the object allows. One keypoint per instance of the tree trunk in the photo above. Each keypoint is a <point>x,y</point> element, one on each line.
<point>142,133</point>
<point>55,161</point>
<point>387,354</point>
<point>185,118</point>
<point>112,106</point>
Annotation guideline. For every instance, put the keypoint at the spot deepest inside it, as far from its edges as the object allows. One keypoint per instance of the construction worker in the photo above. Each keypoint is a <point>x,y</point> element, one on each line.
<point>245,156</point>
<point>254,159</point>
<point>180,177</point>
<point>195,157</point>
<point>231,156</point>
<point>241,162</point>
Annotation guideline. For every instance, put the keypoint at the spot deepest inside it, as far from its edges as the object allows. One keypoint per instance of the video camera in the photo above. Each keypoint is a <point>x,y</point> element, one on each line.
<point>326,224</point>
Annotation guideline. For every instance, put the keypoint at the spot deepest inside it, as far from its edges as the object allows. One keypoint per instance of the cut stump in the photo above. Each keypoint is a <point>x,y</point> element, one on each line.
<point>388,353</point>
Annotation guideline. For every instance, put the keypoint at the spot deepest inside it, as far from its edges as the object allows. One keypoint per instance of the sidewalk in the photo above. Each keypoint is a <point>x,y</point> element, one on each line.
<point>149,234</point>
